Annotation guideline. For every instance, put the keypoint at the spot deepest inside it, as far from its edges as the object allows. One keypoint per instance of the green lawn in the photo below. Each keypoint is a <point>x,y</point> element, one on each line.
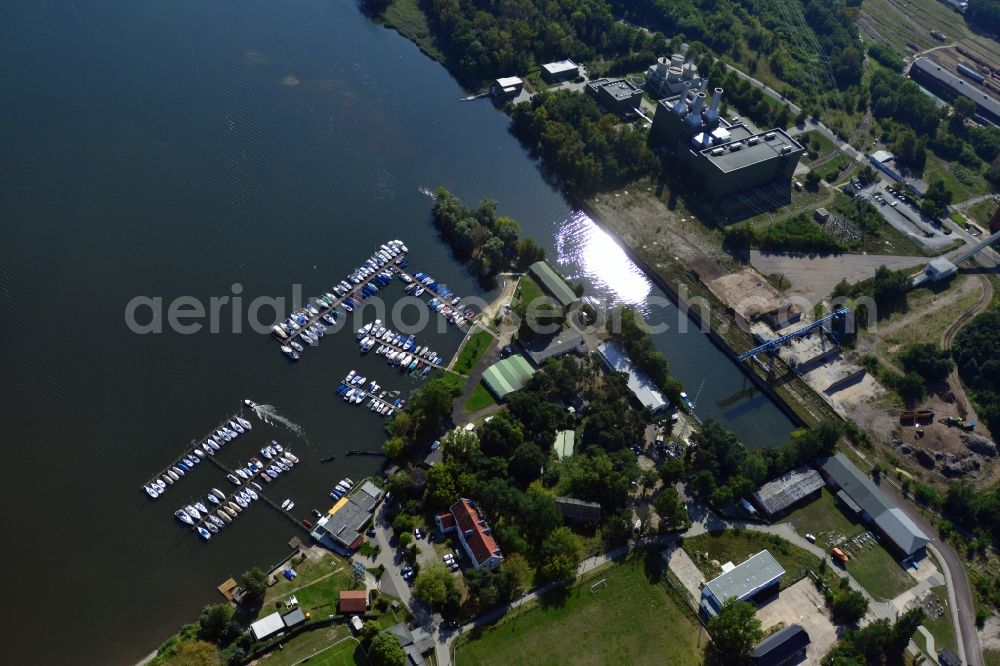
<point>317,586</point>
<point>480,398</point>
<point>635,619</point>
<point>333,645</point>
<point>736,546</point>
<point>411,22</point>
<point>474,348</point>
<point>941,628</point>
<point>873,567</point>
<point>982,211</point>
<point>814,141</point>
<point>528,290</point>
<point>991,657</point>
<point>939,169</point>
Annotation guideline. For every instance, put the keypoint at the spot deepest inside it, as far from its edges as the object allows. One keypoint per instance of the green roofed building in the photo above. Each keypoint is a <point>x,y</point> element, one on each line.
<point>553,283</point>
<point>507,376</point>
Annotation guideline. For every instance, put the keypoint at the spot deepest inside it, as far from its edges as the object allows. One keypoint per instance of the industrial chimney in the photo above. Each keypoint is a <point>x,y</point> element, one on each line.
<point>713,111</point>
<point>694,118</point>
<point>680,108</point>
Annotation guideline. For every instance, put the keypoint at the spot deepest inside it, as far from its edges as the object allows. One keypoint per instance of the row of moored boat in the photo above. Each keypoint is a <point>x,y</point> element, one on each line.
<point>208,520</point>
<point>278,461</point>
<point>444,301</point>
<point>225,433</point>
<point>364,282</point>
<point>355,389</point>
<point>398,349</point>
<point>342,488</point>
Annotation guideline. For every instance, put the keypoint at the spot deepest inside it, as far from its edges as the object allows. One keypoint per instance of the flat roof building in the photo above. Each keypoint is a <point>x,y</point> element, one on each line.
<point>565,444</point>
<point>560,70</point>
<point>758,575</point>
<point>641,386</point>
<point>940,268</point>
<point>782,648</point>
<point>294,618</point>
<point>341,529</point>
<point>507,87</point>
<point>948,85</point>
<point>901,533</point>
<point>506,376</point>
<point>553,284</point>
<point>615,95</point>
<point>567,341</point>
<point>787,490</point>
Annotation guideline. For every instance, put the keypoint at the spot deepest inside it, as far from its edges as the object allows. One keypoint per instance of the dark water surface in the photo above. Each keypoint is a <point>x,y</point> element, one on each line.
<point>178,148</point>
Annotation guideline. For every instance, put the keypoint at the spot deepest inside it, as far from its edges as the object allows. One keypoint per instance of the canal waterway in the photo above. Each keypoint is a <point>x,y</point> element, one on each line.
<point>226,149</point>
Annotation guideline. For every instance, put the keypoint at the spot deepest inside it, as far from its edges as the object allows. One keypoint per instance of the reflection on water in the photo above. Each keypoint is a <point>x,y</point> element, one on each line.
<point>583,246</point>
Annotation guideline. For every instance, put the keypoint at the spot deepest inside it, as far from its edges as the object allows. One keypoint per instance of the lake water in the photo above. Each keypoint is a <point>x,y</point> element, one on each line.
<point>212,149</point>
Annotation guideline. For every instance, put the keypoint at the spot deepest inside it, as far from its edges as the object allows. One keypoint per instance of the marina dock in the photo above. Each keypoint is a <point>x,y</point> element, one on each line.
<point>446,299</point>
<point>354,294</point>
<point>188,452</point>
<point>263,495</point>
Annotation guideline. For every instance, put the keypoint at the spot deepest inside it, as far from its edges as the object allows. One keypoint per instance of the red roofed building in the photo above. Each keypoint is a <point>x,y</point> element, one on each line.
<point>464,518</point>
<point>353,601</point>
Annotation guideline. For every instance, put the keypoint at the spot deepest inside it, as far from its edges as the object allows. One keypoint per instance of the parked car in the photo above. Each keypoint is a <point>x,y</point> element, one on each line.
<point>811,537</point>
<point>418,533</point>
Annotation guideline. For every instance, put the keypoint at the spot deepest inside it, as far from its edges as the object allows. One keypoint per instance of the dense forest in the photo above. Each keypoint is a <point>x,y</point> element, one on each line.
<point>977,355</point>
<point>488,243</point>
<point>984,15</point>
<point>589,150</point>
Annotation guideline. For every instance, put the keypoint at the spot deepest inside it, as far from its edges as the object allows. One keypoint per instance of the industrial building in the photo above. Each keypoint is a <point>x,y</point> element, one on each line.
<point>579,511</point>
<point>561,70</point>
<point>473,533</point>
<point>756,578</point>
<point>729,158</point>
<point>940,269</point>
<point>669,75</point>
<point>567,341</point>
<point>507,376</point>
<point>787,490</point>
<point>859,495</point>
<point>641,386</point>
<point>615,95</point>
<point>941,81</point>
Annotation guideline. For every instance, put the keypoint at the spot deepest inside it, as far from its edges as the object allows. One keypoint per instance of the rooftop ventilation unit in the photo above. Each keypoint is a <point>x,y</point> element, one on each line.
<point>718,151</point>
<point>785,150</point>
<point>753,141</point>
<point>769,136</point>
<point>736,146</point>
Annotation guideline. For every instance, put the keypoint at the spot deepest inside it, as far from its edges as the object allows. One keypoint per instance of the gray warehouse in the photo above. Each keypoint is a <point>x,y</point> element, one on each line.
<point>948,85</point>
<point>615,95</point>
<point>758,576</point>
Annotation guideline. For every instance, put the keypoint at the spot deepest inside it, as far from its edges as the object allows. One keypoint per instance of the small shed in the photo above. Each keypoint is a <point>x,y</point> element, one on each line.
<point>940,269</point>
<point>353,601</point>
<point>821,215</point>
<point>356,623</point>
<point>565,444</point>
<point>786,646</point>
<point>294,618</point>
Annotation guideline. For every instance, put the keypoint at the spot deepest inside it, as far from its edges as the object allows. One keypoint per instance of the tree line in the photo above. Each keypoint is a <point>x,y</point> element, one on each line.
<point>588,150</point>
<point>484,241</point>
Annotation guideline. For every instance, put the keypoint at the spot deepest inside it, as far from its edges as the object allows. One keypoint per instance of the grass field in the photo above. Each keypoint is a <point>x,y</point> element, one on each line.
<point>982,211</point>
<point>409,20</point>
<point>635,619</point>
<point>474,348</point>
<point>898,22</point>
<point>939,169</point>
<point>929,326</point>
<point>316,587</point>
<point>480,398</point>
<point>334,645</point>
<point>736,546</point>
<point>991,657</point>
<point>813,139</point>
<point>528,290</point>
<point>941,628</point>
<point>874,568</point>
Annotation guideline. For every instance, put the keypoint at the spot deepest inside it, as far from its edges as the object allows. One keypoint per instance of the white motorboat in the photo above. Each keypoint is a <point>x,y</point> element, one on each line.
<point>201,507</point>
<point>193,512</point>
<point>216,520</point>
<point>285,504</point>
<point>204,534</point>
<point>218,493</point>
<point>183,517</point>
<point>166,477</point>
<point>211,527</point>
<point>253,494</point>
<point>288,454</point>
<point>243,422</point>
<point>236,426</point>
<point>213,499</point>
<point>152,492</point>
<point>225,516</point>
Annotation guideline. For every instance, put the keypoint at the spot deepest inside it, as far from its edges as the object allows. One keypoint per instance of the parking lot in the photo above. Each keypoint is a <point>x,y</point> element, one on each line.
<point>901,211</point>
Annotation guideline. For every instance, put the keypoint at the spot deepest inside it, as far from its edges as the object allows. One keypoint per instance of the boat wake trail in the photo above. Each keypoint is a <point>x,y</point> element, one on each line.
<point>426,192</point>
<point>270,415</point>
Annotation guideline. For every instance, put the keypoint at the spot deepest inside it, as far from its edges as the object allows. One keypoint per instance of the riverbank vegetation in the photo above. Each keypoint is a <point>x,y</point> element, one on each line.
<point>587,149</point>
<point>627,327</point>
<point>486,242</point>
